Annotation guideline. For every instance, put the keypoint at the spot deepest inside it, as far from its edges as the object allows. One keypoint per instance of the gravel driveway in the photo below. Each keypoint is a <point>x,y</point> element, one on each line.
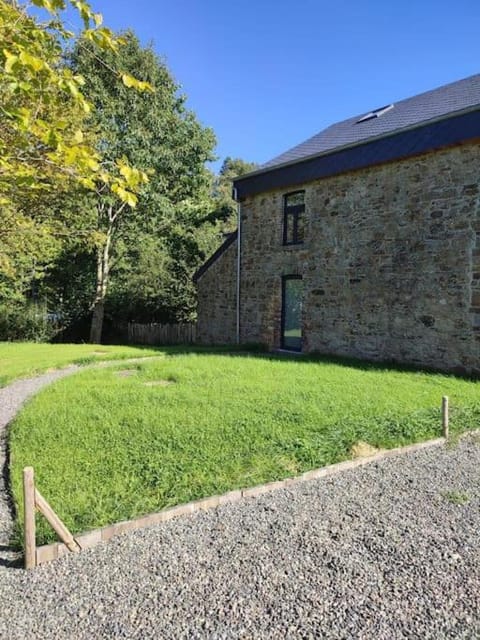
<point>386,551</point>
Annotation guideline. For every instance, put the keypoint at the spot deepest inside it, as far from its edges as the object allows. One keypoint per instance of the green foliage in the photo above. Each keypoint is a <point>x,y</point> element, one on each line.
<point>26,321</point>
<point>154,131</point>
<point>152,279</point>
<point>95,154</point>
<point>225,208</point>
<point>47,149</point>
<point>43,140</point>
<point>119,448</point>
<point>69,285</point>
<point>59,222</point>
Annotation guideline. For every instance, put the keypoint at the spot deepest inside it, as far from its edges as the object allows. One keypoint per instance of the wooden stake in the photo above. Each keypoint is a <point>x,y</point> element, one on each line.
<point>55,522</point>
<point>445,416</point>
<point>29,517</point>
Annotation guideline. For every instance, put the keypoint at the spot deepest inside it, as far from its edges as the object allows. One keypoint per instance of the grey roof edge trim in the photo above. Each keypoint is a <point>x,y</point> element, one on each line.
<point>431,135</point>
<point>360,143</point>
<point>214,257</point>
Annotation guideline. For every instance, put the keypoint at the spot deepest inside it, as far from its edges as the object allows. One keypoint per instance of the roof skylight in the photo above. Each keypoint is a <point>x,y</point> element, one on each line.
<point>376,113</point>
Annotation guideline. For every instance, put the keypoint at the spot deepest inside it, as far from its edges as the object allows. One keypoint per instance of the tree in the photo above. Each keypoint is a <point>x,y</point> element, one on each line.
<point>153,282</point>
<point>153,132</point>
<point>225,209</point>
<point>46,150</point>
<point>42,115</point>
<point>76,153</point>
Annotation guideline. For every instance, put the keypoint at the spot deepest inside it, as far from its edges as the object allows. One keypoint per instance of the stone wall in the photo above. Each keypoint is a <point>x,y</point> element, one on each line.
<point>217,300</point>
<point>391,263</point>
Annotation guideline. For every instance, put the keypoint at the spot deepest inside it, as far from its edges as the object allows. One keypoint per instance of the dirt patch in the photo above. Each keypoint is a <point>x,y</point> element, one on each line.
<point>126,373</point>
<point>98,353</point>
<point>158,383</point>
<point>362,450</point>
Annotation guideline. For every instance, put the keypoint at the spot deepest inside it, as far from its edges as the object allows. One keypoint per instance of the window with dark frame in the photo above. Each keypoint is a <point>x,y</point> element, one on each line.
<point>294,218</point>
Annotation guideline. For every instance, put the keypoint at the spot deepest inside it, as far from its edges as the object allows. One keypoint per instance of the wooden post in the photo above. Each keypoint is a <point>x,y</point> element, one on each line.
<point>445,416</point>
<point>29,517</point>
<point>55,522</point>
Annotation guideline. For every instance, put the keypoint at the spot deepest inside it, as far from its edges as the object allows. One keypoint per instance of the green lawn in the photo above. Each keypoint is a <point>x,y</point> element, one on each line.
<point>108,446</point>
<point>21,359</point>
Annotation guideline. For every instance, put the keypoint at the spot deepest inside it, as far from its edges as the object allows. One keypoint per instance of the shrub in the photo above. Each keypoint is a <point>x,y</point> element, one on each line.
<point>29,322</point>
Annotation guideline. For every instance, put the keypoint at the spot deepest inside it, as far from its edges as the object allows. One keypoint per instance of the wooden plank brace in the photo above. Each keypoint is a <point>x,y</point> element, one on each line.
<point>55,522</point>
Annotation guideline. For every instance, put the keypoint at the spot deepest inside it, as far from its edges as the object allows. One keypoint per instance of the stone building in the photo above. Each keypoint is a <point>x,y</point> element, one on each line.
<point>363,241</point>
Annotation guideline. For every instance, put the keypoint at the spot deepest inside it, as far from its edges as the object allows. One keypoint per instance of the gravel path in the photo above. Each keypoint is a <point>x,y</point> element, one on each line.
<point>386,551</point>
<point>12,398</point>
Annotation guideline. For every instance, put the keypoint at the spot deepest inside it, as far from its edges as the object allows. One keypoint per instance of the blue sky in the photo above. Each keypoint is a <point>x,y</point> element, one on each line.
<point>266,75</point>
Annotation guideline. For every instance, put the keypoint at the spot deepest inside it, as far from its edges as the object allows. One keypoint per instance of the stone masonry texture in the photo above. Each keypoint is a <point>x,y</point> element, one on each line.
<point>390,265</point>
<point>217,296</point>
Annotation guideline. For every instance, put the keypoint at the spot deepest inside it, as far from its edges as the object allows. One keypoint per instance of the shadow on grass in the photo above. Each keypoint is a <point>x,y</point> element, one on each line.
<point>261,352</point>
<point>109,356</point>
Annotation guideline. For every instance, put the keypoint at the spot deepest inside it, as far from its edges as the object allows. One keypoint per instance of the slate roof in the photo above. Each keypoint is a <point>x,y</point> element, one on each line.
<point>443,117</point>
<point>230,239</point>
<point>431,105</point>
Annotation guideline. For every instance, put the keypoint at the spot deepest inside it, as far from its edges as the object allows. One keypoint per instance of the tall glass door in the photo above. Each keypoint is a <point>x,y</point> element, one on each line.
<point>292,297</point>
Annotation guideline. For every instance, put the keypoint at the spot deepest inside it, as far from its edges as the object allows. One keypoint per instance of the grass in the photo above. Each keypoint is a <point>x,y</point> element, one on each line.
<point>456,497</point>
<point>106,447</point>
<point>23,359</point>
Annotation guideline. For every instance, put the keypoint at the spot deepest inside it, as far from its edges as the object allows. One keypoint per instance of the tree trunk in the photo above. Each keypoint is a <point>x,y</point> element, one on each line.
<point>98,306</point>
<point>97,322</point>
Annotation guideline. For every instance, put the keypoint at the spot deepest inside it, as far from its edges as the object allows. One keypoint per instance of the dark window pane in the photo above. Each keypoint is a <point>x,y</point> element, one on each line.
<point>289,223</point>
<point>300,228</point>
<point>294,207</point>
<point>292,313</point>
<point>295,199</point>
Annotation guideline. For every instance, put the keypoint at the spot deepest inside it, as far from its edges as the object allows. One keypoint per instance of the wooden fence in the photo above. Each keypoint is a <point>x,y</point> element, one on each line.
<point>161,333</point>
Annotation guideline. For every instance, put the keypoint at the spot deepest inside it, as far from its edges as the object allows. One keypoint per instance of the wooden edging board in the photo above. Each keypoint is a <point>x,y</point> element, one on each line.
<point>89,539</point>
